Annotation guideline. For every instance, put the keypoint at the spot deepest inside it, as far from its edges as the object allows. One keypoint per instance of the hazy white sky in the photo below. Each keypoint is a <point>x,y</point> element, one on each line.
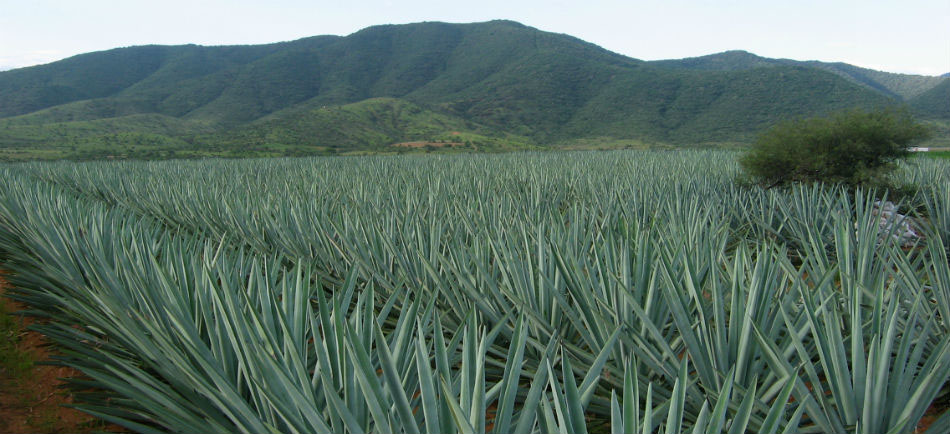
<point>910,36</point>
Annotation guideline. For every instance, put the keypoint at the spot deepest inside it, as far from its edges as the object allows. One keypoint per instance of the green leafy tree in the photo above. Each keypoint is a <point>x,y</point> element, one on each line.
<point>853,147</point>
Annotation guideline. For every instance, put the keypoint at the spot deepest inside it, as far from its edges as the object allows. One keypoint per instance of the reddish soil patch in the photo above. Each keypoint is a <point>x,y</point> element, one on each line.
<point>32,402</point>
<point>424,144</point>
<point>933,413</point>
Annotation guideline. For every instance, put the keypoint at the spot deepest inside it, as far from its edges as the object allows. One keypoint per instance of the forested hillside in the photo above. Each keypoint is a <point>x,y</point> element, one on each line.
<point>500,84</point>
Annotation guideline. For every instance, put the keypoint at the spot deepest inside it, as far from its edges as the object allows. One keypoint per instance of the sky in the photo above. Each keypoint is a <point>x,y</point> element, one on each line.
<point>910,36</point>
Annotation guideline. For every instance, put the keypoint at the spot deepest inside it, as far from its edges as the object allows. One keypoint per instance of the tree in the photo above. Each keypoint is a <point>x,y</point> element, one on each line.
<point>853,147</point>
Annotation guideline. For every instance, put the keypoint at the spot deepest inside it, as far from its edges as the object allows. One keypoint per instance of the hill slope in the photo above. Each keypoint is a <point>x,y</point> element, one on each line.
<point>381,124</point>
<point>900,86</point>
<point>499,82</point>
<point>693,107</point>
<point>935,103</point>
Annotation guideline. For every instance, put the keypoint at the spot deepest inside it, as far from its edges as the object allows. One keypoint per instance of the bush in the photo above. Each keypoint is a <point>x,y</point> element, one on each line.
<point>853,147</point>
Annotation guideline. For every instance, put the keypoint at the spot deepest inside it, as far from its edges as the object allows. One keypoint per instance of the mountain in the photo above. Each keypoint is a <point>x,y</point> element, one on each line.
<point>375,124</point>
<point>899,86</point>
<point>934,103</point>
<point>483,86</point>
<point>734,60</point>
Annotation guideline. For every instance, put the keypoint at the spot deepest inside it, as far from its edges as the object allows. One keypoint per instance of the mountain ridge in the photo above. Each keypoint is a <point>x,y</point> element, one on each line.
<point>506,80</point>
<point>904,86</point>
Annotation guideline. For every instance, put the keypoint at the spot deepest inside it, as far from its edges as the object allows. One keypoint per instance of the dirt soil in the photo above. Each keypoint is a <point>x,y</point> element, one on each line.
<point>933,413</point>
<point>32,402</point>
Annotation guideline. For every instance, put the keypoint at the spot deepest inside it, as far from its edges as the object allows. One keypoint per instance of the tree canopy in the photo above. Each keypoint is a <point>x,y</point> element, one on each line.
<point>853,147</point>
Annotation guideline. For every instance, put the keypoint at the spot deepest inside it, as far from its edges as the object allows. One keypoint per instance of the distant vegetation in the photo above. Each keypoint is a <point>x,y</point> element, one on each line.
<point>374,124</point>
<point>900,86</point>
<point>935,102</point>
<point>503,85</point>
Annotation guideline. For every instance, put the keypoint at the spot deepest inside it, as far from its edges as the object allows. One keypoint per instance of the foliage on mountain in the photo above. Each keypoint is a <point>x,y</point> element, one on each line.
<point>935,103</point>
<point>373,124</point>
<point>500,81</point>
<point>899,86</point>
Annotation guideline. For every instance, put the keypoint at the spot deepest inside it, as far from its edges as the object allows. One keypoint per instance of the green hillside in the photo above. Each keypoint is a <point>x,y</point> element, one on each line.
<point>138,135</point>
<point>900,86</point>
<point>378,124</point>
<point>134,74</point>
<point>733,60</point>
<point>935,103</point>
<point>701,107</point>
<point>500,84</point>
<point>904,86</point>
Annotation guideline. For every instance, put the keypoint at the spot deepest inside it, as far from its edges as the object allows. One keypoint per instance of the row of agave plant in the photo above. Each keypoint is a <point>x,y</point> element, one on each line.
<point>517,293</point>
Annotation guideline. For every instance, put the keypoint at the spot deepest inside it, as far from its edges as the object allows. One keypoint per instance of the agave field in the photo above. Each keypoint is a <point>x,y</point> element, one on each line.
<point>621,292</point>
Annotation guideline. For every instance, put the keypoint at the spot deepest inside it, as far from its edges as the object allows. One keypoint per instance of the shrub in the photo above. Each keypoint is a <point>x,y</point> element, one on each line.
<point>852,147</point>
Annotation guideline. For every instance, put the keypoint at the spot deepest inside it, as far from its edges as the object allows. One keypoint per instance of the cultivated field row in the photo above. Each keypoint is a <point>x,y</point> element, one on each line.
<point>554,292</point>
